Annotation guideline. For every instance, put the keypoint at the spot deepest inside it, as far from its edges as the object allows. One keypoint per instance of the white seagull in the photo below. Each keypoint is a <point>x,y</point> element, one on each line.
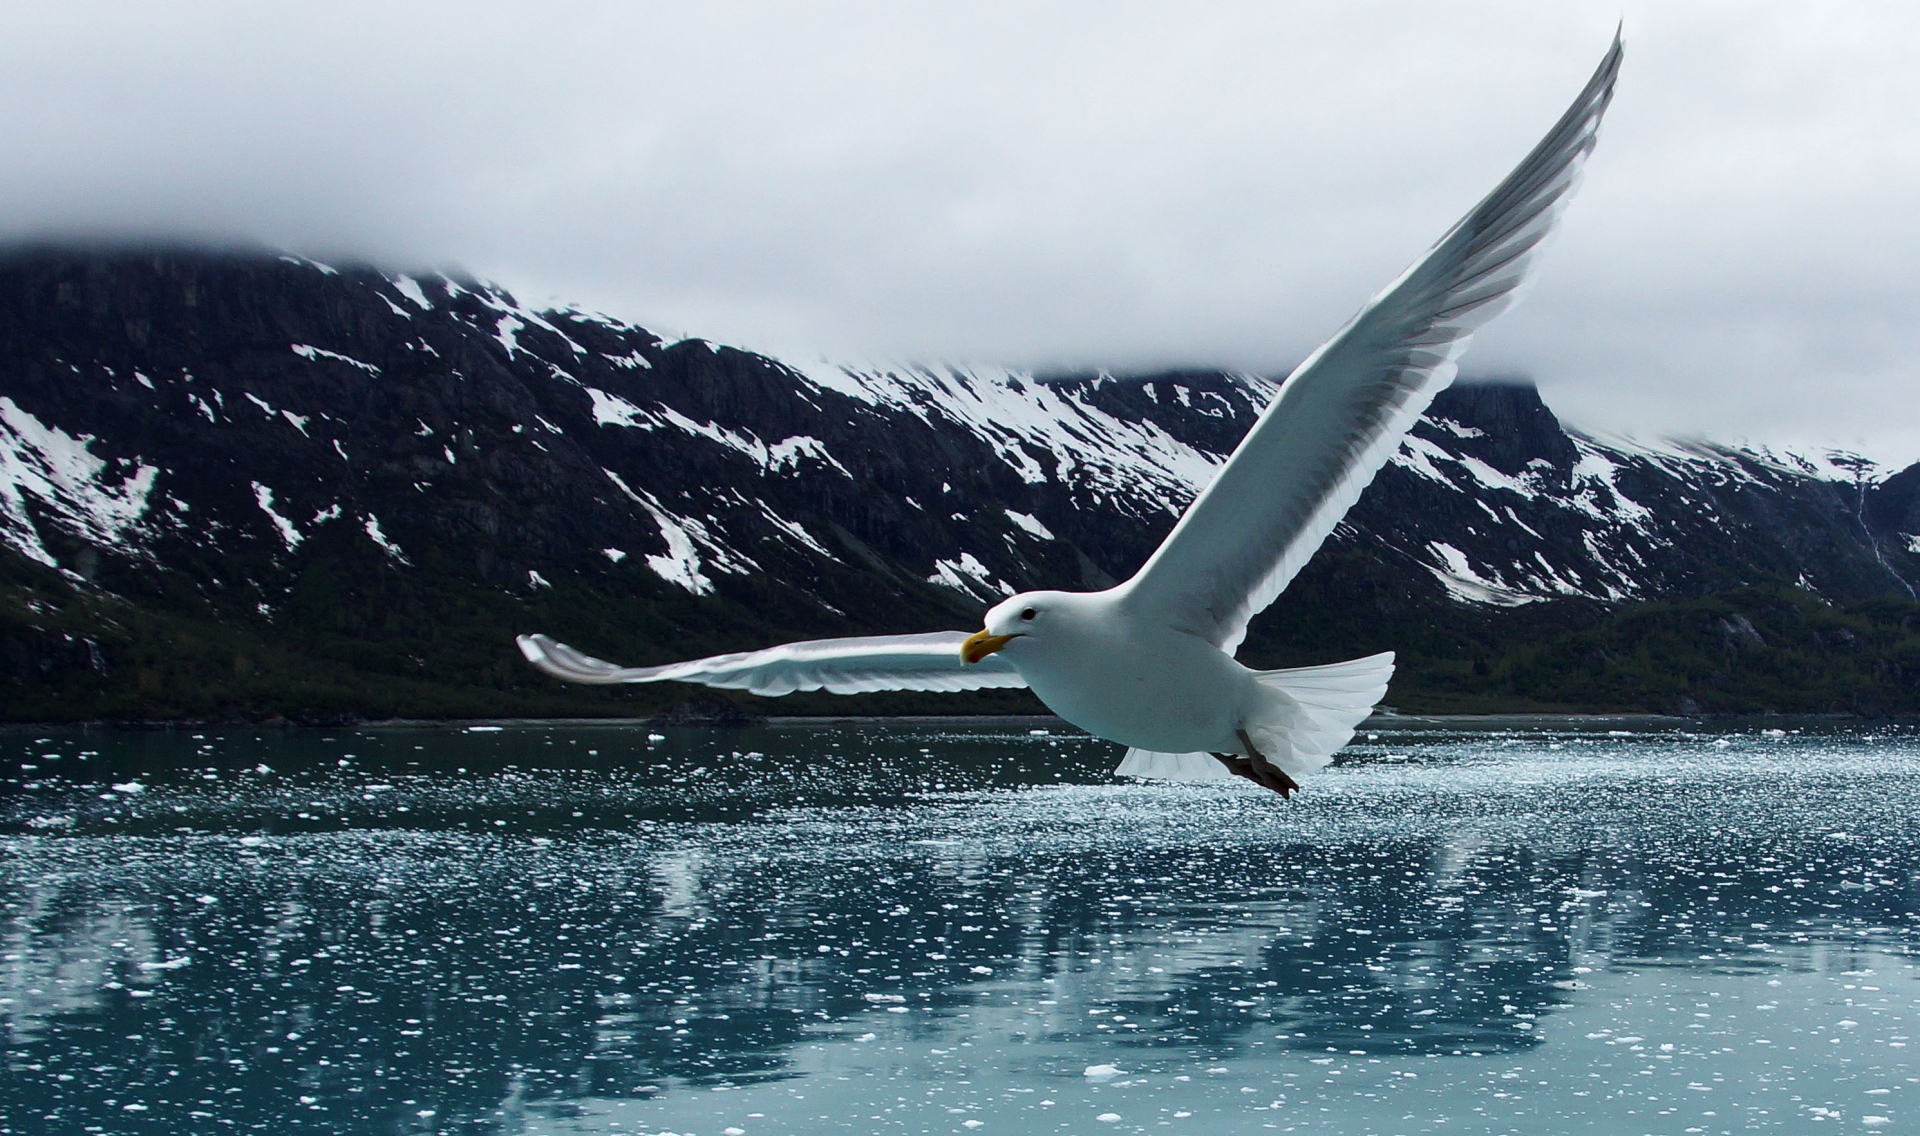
<point>1149,663</point>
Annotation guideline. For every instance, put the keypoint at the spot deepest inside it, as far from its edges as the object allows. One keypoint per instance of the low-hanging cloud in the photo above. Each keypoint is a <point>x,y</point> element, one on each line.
<point>1071,184</point>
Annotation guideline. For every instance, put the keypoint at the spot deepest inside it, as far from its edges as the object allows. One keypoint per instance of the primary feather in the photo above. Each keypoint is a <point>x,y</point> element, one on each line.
<point>1340,415</point>
<point>841,666</point>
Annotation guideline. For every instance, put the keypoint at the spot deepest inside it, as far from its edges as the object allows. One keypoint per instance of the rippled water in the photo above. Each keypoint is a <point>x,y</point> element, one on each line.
<point>939,928</point>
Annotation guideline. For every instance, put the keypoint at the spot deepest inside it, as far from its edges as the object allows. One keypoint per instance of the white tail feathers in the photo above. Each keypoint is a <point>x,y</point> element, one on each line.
<point>1312,715</point>
<point>1328,702</point>
<point>1171,766</point>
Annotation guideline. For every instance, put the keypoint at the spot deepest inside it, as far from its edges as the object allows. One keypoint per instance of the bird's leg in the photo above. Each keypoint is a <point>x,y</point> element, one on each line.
<point>1266,772</point>
<point>1238,766</point>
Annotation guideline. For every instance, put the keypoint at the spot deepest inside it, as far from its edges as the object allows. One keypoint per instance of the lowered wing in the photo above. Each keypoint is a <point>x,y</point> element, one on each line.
<point>842,666</point>
<point>1341,414</point>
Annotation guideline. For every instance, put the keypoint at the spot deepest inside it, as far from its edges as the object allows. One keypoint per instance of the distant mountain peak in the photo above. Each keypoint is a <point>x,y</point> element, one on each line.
<point>235,428</point>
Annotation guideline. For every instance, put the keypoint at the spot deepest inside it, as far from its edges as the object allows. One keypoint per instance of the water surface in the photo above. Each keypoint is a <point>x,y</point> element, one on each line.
<point>933,928</point>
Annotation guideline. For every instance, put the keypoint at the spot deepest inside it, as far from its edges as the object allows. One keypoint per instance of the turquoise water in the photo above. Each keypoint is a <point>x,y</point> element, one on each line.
<point>931,928</point>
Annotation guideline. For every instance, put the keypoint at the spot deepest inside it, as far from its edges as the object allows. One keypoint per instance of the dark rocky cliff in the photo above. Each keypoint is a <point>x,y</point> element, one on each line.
<point>255,484</point>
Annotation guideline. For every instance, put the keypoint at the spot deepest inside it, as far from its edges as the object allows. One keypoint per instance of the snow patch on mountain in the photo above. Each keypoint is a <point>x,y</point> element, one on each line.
<point>310,353</point>
<point>513,317</point>
<point>687,538</point>
<point>410,288</point>
<point>612,410</point>
<point>1465,585</point>
<point>797,531</point>
<point>263,497</point>
<point>94,498</point>
<point>1045,434</point>
<point>387,546</point>
<point>969,577</point>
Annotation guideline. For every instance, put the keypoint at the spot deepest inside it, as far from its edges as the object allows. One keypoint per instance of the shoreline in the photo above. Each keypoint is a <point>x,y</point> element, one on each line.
<point>1373,722</point>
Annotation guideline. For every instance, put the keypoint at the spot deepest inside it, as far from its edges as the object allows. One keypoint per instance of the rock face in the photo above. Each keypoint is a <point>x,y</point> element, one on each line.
<point>391,473</point>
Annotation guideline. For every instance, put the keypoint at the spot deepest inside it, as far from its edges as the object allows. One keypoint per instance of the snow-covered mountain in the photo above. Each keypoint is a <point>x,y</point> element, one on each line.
<point>235,432</point>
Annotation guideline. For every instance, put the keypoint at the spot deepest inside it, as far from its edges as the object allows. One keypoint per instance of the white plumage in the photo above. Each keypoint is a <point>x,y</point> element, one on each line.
<point>1149,663</point>
<point>841,666</point>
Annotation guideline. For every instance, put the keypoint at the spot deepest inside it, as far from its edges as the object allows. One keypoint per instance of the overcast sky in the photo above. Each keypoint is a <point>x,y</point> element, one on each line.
<point>1090,184</point>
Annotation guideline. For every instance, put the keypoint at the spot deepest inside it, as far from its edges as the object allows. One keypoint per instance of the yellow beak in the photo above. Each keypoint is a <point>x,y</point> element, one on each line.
<point>980,644</point>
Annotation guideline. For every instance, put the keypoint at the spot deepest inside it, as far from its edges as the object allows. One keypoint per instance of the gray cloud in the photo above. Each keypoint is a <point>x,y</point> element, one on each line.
<point>1048,184</point>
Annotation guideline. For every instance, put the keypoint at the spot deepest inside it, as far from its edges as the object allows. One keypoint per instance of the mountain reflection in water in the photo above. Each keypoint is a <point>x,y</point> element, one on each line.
<point>440,930</point>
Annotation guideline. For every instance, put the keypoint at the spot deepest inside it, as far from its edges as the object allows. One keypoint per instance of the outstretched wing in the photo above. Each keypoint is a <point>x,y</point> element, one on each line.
<point>1341,414</point>
<point>842,666</point>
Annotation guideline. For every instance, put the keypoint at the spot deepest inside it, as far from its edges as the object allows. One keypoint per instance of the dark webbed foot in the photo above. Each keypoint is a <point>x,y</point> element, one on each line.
<point>1257,769</point>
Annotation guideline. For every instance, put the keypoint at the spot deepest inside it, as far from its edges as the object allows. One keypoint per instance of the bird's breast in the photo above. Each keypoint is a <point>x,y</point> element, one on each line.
<point>1171,693</point>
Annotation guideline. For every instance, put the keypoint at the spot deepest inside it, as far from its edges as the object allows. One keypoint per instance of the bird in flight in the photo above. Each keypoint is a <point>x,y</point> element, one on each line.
<point>1149,663</point>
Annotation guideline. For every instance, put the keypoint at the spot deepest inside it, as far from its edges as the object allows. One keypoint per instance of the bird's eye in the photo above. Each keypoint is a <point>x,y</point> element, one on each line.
<point>1028,614</point>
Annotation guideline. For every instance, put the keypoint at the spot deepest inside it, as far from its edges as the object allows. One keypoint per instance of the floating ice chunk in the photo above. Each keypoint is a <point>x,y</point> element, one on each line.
<point>130,788</point>
<point>1101,1073</point>
<point>614,554</point>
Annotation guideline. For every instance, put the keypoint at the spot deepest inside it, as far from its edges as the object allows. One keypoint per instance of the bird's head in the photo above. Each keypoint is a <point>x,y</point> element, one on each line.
<point>1029,614</point>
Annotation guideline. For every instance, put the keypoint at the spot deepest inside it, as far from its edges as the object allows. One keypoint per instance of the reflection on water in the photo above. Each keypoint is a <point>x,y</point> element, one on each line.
<point>927,927</point>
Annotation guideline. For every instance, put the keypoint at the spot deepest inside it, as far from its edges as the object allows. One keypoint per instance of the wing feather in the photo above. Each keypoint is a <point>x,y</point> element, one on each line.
<point>842,666</point>
<point>1341,414</point>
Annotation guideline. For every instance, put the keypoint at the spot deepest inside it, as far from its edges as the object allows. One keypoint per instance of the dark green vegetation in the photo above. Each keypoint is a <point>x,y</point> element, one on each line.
<point>391,644</point>
<point>1760,649</point>
<point>360,641</point>
<point>1755,650</point>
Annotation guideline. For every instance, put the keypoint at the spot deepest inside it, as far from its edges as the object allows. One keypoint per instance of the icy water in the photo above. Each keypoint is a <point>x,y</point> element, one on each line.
<point>931,928</point>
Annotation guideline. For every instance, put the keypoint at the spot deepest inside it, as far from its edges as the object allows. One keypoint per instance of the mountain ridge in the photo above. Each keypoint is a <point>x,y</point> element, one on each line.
<point>332,466</point>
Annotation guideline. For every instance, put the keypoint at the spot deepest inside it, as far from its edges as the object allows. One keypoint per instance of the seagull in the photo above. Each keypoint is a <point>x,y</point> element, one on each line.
<point>1150,662</point>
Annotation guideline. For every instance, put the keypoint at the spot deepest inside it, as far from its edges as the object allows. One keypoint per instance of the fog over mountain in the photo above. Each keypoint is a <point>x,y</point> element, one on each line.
<point>1068,186</point>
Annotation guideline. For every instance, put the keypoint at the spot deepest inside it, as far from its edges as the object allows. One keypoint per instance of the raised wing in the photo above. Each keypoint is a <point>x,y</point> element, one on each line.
<point>842,666</point>
<point>1341,414</point>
